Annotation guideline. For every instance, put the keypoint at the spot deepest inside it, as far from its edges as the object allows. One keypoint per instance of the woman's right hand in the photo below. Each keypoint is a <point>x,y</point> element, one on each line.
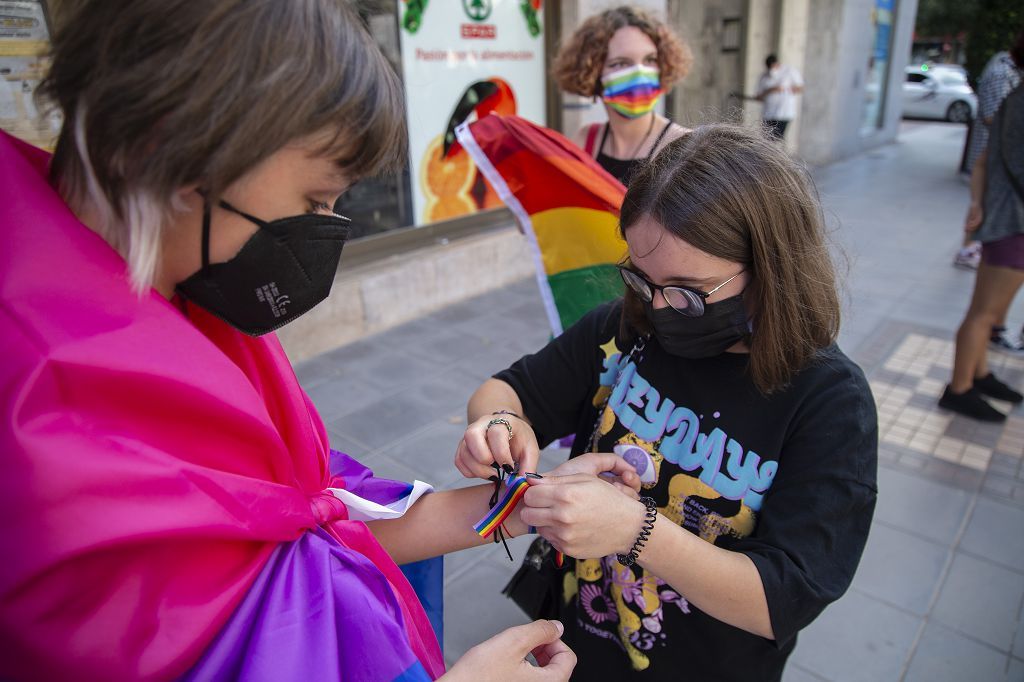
<point>481,446</point>
<point>502,658</point>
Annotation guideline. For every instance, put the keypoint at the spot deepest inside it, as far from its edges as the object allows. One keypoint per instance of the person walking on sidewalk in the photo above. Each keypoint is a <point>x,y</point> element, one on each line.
<point>629,59</point>
<point>717,376</point>
<point>777,89</point>
<point>996,214</point>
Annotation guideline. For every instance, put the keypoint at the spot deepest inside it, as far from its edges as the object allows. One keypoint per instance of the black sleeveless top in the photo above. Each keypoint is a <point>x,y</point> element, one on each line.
<point>623,169</point>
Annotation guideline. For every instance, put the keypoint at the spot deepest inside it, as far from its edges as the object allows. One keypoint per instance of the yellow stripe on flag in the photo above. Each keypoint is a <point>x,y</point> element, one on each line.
<point>571,238</point>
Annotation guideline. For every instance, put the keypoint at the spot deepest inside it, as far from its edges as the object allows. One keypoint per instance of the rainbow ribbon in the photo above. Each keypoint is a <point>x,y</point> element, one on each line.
<point>496,516</point>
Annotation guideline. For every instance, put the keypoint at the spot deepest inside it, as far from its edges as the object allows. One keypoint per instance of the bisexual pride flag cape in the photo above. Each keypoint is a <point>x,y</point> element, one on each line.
<point>566,204</point>
<point>171,505</point>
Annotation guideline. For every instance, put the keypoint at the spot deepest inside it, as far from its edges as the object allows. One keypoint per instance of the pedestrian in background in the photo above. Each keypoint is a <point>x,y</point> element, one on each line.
<point>629,59</point>
<point>1001,75</point>
<point>777,90</point>
<point>996,215</point>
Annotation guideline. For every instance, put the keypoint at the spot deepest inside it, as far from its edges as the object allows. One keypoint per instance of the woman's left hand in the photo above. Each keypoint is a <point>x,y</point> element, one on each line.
<point>609,466</point>
<point>582,515</point>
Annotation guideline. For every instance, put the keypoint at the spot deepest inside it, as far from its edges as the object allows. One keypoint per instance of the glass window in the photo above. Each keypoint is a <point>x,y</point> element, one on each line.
<point>916,77</point>
<point>457,60</point>
<point>377,205</point>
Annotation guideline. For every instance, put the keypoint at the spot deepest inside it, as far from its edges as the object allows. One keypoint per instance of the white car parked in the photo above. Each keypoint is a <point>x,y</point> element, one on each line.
<point>939,92</point>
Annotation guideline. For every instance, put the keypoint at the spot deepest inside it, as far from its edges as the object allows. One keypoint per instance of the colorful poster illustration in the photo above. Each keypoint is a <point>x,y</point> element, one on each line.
<point>461,60</point>
<point>24,40</point>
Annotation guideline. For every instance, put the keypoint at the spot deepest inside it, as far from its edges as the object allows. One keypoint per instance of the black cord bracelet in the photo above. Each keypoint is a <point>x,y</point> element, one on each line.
<point>649,518</point>
<point>508,412</point>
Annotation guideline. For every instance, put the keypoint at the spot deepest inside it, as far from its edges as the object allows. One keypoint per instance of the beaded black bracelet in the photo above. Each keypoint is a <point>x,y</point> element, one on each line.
<point>650,517</point>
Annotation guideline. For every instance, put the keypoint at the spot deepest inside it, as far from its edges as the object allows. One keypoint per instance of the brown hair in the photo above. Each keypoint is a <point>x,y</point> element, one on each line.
<point>734,194</point>
<point>577,68</point>
<point>161,94</point>
<point>1017,50</point>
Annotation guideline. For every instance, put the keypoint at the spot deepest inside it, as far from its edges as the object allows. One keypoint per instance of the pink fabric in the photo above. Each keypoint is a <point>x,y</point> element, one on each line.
<point>152,460</point>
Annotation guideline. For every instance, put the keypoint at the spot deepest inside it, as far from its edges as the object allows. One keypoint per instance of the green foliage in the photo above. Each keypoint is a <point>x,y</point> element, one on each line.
<point>941,18</point>
<point>994,28</point>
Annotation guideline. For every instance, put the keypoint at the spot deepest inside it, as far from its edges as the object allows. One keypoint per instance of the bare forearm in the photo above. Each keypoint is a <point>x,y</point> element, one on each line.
<point>978,178</point>
<point>725,585</point>
<point>493,395</point>
<point>439,523</point>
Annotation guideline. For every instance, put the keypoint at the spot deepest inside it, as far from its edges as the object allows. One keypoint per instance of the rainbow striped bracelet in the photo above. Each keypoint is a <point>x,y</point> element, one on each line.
<point>496,516</point>
<point>515,491</point>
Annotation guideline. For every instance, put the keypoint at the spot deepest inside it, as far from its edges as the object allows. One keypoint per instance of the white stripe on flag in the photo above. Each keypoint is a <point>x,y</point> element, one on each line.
<point>469,143</point>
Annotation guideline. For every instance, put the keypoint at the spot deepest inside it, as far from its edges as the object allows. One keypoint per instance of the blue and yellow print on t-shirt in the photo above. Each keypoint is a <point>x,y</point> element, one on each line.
<point>706,481</point>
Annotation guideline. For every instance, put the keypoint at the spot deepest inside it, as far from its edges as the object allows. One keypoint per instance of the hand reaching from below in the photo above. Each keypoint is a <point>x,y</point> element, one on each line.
<point>502,658</point>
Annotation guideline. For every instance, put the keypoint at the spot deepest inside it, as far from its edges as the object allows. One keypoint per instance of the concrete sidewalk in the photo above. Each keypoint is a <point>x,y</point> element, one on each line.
<point>940,589</point>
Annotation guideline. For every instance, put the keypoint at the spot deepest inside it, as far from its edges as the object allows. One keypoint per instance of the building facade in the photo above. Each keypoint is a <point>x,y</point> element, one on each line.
<point>435,233</point>
<point>851,54</point>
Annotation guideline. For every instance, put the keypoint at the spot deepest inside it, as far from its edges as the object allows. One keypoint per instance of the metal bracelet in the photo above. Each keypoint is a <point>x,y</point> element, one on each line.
<point>650,516</point>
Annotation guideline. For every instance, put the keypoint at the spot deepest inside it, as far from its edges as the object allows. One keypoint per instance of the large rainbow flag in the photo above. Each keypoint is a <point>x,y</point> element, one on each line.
<point>566,204</point>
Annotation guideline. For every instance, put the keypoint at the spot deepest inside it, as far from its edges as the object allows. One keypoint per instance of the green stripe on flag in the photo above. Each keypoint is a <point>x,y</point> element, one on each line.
<point>579,291</point>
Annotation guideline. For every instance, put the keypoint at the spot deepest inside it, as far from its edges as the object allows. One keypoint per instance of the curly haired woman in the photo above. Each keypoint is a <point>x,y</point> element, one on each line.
<point>629,59</point>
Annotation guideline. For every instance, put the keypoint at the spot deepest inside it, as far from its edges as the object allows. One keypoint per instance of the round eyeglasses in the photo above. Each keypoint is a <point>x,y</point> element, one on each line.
<point>684,300</point>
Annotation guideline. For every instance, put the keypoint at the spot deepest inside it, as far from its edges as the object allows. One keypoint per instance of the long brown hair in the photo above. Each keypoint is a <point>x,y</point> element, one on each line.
<point>734,194</point>
<point>162,94</point>
<point>578,65</point>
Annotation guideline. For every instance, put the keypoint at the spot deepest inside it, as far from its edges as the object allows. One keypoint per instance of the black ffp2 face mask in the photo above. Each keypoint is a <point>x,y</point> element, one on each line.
<point>722,325</point>
<point>284,270</point>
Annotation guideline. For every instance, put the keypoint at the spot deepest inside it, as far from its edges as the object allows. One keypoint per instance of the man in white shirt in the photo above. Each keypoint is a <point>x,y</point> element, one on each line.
<point>777,89</point>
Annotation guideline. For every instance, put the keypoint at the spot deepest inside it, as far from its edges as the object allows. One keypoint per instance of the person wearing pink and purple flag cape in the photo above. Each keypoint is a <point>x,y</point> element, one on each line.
<point>172,506</point>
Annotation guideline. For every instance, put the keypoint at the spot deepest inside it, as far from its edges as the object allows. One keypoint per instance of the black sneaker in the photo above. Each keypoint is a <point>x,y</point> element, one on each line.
<point>994,388</point>
<point>970,404</point>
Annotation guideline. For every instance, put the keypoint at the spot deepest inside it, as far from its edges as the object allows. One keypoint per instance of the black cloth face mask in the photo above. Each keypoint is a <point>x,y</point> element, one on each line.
<point>722,325</point>
<point>284,270</point>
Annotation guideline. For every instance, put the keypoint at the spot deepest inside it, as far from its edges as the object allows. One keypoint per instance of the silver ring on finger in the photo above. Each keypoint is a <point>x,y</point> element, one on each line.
<point>502,422</point>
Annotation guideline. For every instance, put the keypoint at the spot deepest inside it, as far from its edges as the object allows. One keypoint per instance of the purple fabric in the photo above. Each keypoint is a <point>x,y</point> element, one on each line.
<point>1004,253</point>
<point>361,481</point>
<point>318,611</point>
<point>427,576</point>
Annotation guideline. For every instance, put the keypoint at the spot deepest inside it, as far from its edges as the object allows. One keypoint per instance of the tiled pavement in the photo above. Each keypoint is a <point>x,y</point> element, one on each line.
<point>940,589</point>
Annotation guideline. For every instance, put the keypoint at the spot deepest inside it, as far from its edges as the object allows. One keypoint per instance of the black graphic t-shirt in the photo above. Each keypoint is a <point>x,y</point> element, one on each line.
<point>788,479</point>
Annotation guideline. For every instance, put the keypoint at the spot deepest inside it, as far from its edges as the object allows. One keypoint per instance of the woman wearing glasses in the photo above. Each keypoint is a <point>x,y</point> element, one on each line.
<point>717,376</point>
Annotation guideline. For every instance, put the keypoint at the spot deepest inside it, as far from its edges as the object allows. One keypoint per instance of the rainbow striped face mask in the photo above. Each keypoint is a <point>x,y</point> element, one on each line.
<point>633,91</point>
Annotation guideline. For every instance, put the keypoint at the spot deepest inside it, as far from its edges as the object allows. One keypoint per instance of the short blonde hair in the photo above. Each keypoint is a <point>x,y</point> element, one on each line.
<point>577,68</point>
<point>162,94</point>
